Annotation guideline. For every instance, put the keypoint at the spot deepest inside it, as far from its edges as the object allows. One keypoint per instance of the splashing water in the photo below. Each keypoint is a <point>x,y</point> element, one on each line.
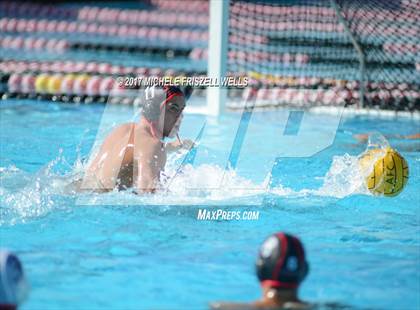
<point>26,196</point>
<point>345,176</point>
<point>377,141</point>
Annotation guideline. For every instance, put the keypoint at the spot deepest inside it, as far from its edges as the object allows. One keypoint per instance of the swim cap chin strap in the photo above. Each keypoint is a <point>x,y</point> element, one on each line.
<point>156,133</point>
<point>278,284</point>
<point>150,112</point>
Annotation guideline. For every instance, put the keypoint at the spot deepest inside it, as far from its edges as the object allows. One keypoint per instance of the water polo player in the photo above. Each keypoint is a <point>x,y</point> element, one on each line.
<point>134,154</point>
<point>364,137</point>
<point>281,267</point>
<point>13,285</point>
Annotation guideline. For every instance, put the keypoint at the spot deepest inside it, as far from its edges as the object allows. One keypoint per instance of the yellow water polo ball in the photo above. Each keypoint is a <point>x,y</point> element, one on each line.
<point>41,83</point>
<point>54,84</point>
<point>386,171</point>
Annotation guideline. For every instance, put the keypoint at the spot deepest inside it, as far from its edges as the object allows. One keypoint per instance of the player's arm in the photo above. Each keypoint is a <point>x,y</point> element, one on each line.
<point>259,305</point>
<point>231,306</point>
<point>413,137</point>
<point>177,145</point>
<point>148,177</point>
<point>148,169</point>
<point>364,137</point>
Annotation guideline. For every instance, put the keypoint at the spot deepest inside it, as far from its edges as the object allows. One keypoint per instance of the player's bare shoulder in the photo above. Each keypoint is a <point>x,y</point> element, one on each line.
<point>120,131</point>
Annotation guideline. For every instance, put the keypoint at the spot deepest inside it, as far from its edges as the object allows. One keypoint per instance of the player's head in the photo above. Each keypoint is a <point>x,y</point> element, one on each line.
<point>164,106</point>
<point>13,286</point>
<point>281,262</point>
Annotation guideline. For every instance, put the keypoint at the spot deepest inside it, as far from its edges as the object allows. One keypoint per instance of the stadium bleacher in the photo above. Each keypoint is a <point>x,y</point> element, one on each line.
<point>295,52</point>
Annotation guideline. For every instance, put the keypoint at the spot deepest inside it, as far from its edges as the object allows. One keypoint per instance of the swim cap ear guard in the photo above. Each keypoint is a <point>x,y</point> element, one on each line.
<point>13,286</point>
<point>281,262</point>
<point>151,99</point>
<point>155,98</point>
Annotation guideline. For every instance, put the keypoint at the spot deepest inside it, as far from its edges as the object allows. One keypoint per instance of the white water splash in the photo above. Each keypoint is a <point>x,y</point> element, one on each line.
<point>344,178</point>
<point>25,195</point>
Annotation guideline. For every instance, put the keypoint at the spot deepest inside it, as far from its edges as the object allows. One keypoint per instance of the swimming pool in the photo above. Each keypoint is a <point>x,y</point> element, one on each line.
<point>130,253</point>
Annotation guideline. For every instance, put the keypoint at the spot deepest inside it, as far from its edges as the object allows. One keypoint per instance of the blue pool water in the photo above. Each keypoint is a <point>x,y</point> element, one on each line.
<point>142,252</point>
